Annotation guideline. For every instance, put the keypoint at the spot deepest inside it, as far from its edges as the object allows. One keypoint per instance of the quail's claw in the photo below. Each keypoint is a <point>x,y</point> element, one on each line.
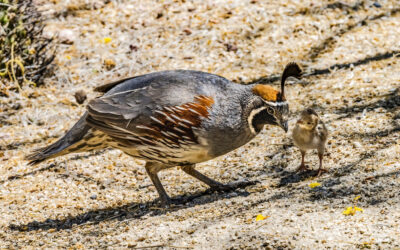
<point>165,202</point>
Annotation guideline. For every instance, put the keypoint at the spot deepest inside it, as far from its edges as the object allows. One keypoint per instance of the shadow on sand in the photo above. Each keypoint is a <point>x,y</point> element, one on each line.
<point>135,210</point>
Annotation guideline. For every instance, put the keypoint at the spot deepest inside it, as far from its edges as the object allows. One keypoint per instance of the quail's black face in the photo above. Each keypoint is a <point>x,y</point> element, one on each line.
<point>271,114</point>
<point>277,115</point>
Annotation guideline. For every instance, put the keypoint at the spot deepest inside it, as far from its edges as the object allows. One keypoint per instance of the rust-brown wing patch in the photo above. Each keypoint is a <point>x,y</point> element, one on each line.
<point>268,93</point>
<point>174,124</point>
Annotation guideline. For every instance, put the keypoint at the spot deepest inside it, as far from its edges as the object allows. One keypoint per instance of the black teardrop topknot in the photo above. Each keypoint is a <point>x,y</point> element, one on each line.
<point>291,69</point>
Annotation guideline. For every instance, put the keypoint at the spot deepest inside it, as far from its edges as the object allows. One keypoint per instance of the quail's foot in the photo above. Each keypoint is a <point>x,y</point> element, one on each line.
<point>165,202</point>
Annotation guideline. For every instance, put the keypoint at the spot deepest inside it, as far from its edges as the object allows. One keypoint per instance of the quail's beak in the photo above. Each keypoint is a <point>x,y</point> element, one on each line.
<point>284,125</point>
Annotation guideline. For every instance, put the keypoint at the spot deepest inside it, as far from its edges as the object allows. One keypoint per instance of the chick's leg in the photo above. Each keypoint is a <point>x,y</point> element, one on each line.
<point>320,169</point>
<point>302,166</point>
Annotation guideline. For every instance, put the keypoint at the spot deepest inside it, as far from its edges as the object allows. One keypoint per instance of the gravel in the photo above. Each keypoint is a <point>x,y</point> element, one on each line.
<point>105,199</point>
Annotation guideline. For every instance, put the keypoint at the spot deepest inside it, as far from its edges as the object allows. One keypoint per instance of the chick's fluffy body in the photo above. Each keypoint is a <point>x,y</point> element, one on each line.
<point>309,133</point>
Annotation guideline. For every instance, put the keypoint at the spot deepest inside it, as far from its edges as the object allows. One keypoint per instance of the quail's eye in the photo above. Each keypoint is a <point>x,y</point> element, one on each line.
<point>273,111</point>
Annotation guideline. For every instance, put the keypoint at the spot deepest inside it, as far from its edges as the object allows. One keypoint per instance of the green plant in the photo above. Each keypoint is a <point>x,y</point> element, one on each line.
<point>25,55</point>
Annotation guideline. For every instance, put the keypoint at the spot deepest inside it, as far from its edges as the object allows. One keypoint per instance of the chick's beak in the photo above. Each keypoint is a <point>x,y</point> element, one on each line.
<point>284,125</point>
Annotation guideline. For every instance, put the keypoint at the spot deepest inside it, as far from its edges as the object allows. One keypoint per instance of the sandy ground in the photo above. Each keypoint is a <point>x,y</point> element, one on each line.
<point>349,50</point>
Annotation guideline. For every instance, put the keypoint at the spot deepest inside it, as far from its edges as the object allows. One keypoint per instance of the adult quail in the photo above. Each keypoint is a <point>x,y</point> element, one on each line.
<point>174,118</point>
<point>309,133</point>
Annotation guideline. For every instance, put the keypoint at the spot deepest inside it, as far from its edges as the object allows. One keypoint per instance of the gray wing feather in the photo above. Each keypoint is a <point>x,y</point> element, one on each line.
<point>120,106</point>
<point>116,115</point>
<point>132,102</point>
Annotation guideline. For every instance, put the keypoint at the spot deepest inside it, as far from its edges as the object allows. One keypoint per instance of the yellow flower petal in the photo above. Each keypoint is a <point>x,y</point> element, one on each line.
<point>358,209</point>
<point>352,210</point>
<point>68,57</point>
<point>107,40</point>
<point>314,184</point>
<point>261,217</point>
<point>349,211</point>
<point>357,197</point>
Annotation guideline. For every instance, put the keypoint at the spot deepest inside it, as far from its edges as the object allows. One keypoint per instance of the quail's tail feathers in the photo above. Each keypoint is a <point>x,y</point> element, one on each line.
<point>73,137</point>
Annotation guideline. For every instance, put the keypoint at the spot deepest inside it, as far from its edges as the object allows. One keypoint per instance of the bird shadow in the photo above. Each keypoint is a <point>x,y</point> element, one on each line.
<point>333,187</point>
<point>136,210</point>
<point>295,177</point>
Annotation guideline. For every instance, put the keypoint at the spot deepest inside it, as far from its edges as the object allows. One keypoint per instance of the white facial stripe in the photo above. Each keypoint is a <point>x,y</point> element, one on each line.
<point>275,104</point>
<point>251,116</point>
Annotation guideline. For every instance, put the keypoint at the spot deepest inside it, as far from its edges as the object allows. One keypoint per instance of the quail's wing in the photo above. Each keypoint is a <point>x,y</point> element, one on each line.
<point>108,86</point>
<point>151,114</point>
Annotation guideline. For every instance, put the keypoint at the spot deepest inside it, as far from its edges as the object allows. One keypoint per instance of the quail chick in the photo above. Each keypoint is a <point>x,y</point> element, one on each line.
<point>310,132</point>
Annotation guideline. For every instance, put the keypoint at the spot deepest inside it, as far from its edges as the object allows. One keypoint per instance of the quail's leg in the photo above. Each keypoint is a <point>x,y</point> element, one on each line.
<point>320,169</point>
<point>302,166</point>
<point>152,169</point>
<point>189,169</point>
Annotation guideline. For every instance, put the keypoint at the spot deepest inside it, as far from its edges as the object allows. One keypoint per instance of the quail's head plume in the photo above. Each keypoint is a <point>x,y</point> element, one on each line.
<point>174,118</point>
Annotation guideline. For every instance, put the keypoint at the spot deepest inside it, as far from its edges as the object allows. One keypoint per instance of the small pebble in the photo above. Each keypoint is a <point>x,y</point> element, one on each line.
<point>67,36</point>
<point>187,31</point>
<point>377,5</point>
<point>133,47</point>
<point>80,96</point>
<point>109,63</point>
<point>231,47</point>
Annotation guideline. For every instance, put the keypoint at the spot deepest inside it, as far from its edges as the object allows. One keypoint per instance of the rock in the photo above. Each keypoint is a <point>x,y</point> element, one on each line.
<point>109,63</point>
<point>67,36</point>
<point>187,31</point>
<point>377,5</point>
<point>231,47</point>
<point>80,96</point>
